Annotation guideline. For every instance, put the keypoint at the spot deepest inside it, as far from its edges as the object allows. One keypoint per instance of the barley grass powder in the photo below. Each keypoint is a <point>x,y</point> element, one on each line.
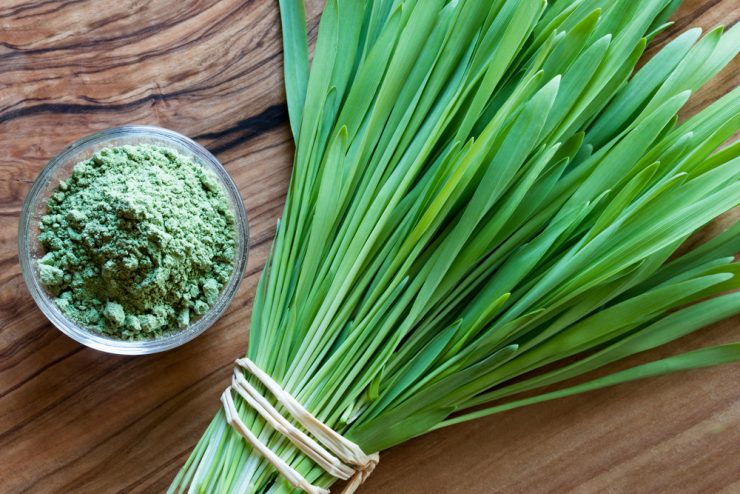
<point>138,241</point>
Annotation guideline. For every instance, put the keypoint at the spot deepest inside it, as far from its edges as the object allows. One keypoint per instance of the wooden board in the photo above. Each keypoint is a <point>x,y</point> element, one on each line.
<point>74,420</point>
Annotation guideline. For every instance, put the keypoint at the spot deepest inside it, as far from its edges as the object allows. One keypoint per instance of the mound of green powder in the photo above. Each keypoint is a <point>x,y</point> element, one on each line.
<point>139,240</point>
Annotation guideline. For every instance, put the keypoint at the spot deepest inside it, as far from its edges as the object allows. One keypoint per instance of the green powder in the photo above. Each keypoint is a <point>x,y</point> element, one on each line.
<point>139,241</point>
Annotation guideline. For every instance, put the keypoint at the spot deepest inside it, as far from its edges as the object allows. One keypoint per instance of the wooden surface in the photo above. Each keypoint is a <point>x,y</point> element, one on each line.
<point>74,420</point>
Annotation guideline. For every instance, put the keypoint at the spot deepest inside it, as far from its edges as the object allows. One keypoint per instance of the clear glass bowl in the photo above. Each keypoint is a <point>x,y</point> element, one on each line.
<point>59,168</point>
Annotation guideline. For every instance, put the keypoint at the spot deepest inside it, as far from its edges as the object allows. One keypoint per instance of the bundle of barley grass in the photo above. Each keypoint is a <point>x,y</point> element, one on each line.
<point>481,189</point>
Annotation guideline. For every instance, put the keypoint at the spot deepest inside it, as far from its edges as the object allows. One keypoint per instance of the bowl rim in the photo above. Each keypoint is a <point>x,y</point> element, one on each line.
<point>108,344</point>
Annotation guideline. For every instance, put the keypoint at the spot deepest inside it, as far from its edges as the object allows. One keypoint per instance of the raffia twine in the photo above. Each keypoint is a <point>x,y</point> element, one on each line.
<point>334,453</point>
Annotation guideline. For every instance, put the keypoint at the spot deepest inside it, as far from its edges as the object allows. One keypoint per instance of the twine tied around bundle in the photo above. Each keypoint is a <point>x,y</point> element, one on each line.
<point>335,454</point>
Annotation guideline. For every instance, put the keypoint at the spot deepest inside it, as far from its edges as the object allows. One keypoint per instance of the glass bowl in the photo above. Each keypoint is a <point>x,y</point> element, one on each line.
<point>59,168</point>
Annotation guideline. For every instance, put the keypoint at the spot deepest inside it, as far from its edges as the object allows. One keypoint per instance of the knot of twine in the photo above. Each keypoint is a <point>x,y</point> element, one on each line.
<point>338,456</point>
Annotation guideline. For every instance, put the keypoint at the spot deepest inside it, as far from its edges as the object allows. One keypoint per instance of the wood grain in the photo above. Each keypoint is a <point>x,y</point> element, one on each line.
<point>74,420</point>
